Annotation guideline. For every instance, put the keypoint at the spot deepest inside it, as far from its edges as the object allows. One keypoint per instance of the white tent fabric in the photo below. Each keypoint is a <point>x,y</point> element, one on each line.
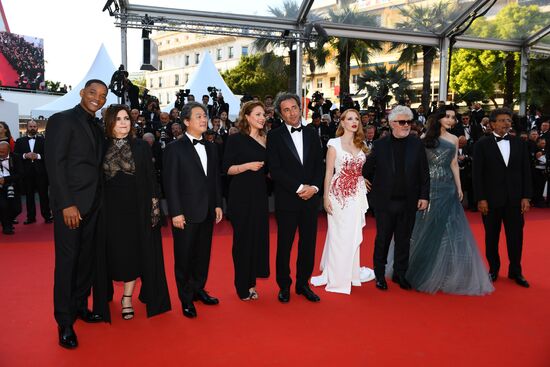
<point>206,75</point>
<point>102,68</point>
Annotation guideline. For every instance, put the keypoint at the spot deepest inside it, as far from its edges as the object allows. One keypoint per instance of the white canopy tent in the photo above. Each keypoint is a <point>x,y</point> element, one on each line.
<point>102,68</point>
<point>206,76</point>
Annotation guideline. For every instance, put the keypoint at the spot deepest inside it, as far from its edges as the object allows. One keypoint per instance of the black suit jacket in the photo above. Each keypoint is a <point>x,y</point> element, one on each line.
<point>288,172</point>
<point>475,131</point>
<point>379,169</point>
<point>73,158</point>
<point>187,189</point>
<point>497,183</point>
<point>31,167</point>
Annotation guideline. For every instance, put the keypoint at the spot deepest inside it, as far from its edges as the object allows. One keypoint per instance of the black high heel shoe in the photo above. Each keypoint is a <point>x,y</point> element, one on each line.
<point>127,315</point>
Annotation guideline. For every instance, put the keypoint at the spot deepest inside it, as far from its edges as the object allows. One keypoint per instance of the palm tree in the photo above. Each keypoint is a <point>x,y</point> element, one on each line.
<point>430,18</point>
<point>346,48</point>
<point>380,81</point>
<point>290,10</point>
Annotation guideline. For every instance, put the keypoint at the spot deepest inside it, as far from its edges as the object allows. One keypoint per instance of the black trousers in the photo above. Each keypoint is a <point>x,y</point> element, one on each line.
<point>539,180</point>
<point>397,221</point>
<point>36,183</point>
<point>513,221</point>
<point>192,246</point>
<point>7,209</point>
<point>74,266</point>
<point>305,220</point>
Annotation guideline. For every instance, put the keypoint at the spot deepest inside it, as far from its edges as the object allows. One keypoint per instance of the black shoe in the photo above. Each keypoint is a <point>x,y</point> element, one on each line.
<point>308,293</point>
<point>519,279</point>
<point>67,337</point>
<point>8,230</point>
<point>381,284</point>
<point>48,220</point>
<point>88,316</point>
<point>284,295</point>
<point>205,298</point>
<point>403,283</point>
<point>189,310</point>
<point>29,221</point>
<point>493,276</point>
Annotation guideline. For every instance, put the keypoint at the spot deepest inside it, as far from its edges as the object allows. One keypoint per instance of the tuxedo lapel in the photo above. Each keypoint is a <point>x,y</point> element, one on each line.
<point>193,153</point>
<point>288,141</point>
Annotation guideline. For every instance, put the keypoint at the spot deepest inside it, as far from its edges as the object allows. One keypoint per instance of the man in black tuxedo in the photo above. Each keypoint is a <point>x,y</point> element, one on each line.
<point>502,187</point>
<point>192,188</point>
<point>31,149</point>
<point>11,171</point>
<point>296,164</point>
<point>397,170</point>
<point>472,131</point>
<point>73,155</point>
<point>464,159</point>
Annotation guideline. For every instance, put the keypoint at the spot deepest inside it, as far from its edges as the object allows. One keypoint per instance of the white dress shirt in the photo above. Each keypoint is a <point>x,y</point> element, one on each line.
<point>298,140</point>
<point>201,151</point>
<point>32,142</point>
<point>504,147</point>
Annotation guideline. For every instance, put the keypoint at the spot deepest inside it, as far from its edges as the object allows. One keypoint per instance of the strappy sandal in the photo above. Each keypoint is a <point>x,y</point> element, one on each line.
<point>127,315</point>
<point>253,294</point>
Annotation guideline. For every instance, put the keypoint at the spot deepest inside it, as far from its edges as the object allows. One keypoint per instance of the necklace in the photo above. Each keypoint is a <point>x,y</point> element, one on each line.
<point>120,142</point>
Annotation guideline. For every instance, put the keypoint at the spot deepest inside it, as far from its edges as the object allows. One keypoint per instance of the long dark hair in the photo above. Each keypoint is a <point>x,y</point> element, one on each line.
<point>110,119</point>
<point>433,131</point>
<point>8,132</point>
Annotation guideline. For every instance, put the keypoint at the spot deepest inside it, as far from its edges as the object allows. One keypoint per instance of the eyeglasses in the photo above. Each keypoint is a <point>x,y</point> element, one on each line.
<point>403,122</point>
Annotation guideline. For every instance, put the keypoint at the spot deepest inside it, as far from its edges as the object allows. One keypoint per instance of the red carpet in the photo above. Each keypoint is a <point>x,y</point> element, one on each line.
<point>511,327</point>
<point>8,75</point>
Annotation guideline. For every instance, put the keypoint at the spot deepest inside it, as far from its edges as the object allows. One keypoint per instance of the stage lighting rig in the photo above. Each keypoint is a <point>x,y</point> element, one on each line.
<point>112,7</point>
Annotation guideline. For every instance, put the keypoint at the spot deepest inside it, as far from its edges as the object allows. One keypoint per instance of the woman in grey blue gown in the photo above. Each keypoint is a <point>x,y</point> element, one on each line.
<point>444,255</point>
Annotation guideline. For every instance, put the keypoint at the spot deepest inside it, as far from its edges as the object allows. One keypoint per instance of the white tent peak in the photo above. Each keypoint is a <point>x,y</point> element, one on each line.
<point>207,75</point>
<point>102,68</point>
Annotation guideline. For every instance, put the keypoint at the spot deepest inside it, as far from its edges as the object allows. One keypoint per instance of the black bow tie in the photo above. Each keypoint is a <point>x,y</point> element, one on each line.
<point>195,141</point>
<point>505,137</point>
<point>32,137</point>
<point>293,129</point>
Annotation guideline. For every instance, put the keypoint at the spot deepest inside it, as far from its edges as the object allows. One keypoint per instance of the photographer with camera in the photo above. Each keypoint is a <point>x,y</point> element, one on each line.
<point>218,103</point>
<point>122,87</point>
<point>348,102</point>
<point>10,199</point>
<point>164,132</point>
<point>180,98</point>
<point>319,104</point>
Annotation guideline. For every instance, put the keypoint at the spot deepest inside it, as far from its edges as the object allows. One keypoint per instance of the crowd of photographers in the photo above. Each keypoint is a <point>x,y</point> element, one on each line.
<point>22,170</point>
<point>25,58</point>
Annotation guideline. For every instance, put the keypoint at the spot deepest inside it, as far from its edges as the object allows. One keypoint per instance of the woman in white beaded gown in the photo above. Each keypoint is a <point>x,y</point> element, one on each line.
<point>345,201</point>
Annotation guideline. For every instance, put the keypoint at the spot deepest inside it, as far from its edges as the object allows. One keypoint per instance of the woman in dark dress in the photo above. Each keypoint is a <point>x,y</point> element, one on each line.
<point>130,214</point>
<point>244,160</point>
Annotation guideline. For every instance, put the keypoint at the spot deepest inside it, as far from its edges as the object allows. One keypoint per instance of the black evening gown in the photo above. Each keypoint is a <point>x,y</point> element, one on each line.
<point>121,212</point>
<point>248,209</point>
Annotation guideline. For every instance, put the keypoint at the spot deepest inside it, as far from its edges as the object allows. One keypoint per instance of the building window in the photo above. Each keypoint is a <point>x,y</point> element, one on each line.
<point>160,64</point>
<point>230,53</point>
<point>186,60</point>
<point>186,78</point>
<point>354,78</point>
<point>332,82</point>
<point>151,83</point>
<point>219,54</point>
<point>197,58</point>
<point>160,98</point>
<point>176,79</point>
<point>167,97</point>
<point>160,82</point>
<point>244,51</point>
<point>319,83</point>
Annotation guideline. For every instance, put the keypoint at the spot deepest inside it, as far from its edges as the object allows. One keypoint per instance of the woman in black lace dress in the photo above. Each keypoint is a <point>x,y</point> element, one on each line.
<point>130,214</point>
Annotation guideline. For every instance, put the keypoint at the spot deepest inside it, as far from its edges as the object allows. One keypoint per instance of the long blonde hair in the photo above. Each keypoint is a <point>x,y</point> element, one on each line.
<point>359,135</point>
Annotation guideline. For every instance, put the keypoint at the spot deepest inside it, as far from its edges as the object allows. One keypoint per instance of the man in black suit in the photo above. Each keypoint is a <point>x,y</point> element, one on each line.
<point>464,159</point>
<point>397,171</point>
<point>192,188</point>
<point>73,156</point>
<point>11,171</point>
<point>31,149</point>
<point>295,162</point>
<point>502,187</point>
<point>472,131</point>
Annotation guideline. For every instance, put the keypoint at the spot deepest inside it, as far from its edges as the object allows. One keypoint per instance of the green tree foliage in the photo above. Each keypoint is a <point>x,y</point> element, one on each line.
<point>478,73</point>
<point>258,74</point>
<point>345,49</point>
<point>538,91</point>
<point>380,81</point>
<point>424,18</point>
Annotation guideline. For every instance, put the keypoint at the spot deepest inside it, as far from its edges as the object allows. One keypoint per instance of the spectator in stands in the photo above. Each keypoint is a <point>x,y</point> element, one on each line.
<point>5,135</point>
<point>25,57</point>
<point>35,179</point>
<point>177,131</point>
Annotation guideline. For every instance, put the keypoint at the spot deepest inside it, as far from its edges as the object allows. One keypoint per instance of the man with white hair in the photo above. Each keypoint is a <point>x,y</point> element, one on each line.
<point>397,172</point>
